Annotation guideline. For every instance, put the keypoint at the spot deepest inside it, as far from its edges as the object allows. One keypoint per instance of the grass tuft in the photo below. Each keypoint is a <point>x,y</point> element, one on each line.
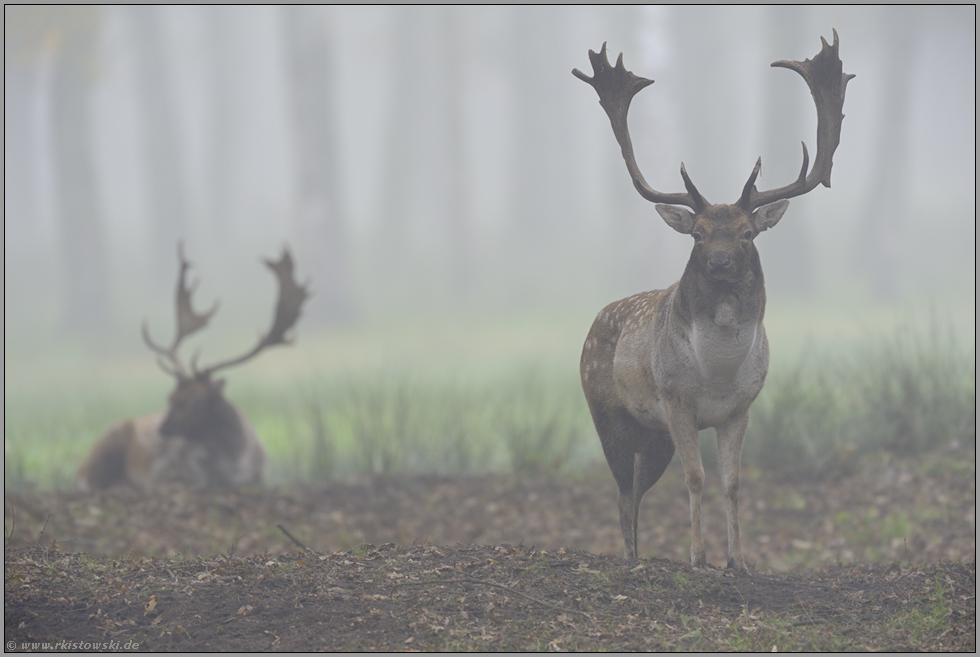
<point>909,393</point>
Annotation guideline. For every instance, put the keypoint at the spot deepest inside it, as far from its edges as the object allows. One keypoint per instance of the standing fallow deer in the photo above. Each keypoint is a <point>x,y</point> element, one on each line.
<point>202,439</point>
<point>659,366</point>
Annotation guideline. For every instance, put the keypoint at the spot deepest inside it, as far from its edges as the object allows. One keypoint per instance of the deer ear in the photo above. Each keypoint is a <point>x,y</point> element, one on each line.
<point>769,215</point>
<point>677,218</point>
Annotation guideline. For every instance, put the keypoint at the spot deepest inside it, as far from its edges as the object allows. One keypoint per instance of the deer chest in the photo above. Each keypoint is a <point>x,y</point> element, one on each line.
<point>731,363</point>
<point>721,345</point>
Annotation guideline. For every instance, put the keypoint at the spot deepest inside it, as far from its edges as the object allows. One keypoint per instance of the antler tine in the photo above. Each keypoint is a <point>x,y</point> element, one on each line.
<point>291,298</point>
<point>616,87</point>
<point>699,201</point>
<point>825,76</point>
<point>164,355</point>
<point>292,295</point>
<point>188,321</point>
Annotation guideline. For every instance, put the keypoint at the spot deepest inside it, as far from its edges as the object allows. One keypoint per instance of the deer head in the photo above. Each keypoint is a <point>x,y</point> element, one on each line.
<point>198,399</point>
<point>723,234</point>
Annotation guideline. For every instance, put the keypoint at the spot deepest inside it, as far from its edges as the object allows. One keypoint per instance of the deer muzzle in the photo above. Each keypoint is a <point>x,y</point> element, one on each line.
<point>720,262</point>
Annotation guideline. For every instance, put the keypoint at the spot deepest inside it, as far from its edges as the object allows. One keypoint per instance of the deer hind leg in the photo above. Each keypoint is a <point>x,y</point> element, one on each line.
<point>105,467</point>
<point>684,433</point>
<point>635,471</point>
<point>730,438</point>
<point>620,456</point>
<point>648,467</point>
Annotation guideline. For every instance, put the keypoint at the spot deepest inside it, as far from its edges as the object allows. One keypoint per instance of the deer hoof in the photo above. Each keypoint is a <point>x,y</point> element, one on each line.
<point>738,564</point>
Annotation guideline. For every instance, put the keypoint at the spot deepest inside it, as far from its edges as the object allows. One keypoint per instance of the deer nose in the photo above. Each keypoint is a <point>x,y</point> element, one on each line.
<point>719,261</point>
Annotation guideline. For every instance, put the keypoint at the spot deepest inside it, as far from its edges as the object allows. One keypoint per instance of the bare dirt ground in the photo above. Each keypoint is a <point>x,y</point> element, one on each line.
<point>880,559</point>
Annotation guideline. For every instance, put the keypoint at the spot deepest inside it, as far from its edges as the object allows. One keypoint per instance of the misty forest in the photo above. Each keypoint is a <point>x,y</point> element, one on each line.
<point>444,209</point>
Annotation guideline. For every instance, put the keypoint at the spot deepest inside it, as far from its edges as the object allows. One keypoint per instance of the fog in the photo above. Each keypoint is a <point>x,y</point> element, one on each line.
<point>443,161</point>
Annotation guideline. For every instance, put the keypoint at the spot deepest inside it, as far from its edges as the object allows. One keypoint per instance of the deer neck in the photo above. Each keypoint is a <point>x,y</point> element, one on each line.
<point>721,320</point>
<point>223,434</point>
<point>701,298</point>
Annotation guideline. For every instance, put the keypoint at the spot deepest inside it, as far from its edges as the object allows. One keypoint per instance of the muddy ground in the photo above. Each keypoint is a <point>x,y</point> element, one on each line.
<point>880,559</point>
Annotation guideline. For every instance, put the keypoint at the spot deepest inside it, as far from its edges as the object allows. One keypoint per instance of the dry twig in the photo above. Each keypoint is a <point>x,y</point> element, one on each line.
<point>291,537</point>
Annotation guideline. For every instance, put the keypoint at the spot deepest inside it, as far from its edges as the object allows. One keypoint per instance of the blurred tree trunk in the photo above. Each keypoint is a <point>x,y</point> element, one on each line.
<point>454,98</point>
<point>709,121</point>
<point>85,274</point>
<point>887,199</point>
<point>168,206</point>
<point>788,260</point>
<point>399,168</point>
<point>545,214</point>
<point>630,250</point>
<point>223,116</point>
<point>19,204</point>
<point>20,208</point>
<point>537,162</point>
<point>322,229</point>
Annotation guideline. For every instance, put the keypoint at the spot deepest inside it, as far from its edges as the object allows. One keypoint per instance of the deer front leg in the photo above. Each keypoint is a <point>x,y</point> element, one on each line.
<point>684,433</point>
<point>730,438</point>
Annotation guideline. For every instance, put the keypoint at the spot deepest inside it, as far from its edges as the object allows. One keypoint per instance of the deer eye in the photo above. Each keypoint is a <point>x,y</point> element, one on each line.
<point>697,236</point>
<point>747,235</point>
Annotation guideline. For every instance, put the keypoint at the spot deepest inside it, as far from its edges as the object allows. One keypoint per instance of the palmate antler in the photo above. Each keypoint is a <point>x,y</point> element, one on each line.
<point>616,88</point>
<point>188,321</point>
<point>291,298</point>
<point>823,74</point>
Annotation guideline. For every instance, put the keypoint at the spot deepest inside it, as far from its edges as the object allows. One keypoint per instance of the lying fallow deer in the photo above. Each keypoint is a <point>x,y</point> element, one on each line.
<point>658,366</point>
<point>202,439</point>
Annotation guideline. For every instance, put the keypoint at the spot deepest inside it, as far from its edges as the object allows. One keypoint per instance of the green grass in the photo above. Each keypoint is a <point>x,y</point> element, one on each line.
<point>49,430</point>
<point>391,422</point>
<point>926,620</point>
<point>870,535</point>
<point>510,407</point>
<point>907,393</point>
